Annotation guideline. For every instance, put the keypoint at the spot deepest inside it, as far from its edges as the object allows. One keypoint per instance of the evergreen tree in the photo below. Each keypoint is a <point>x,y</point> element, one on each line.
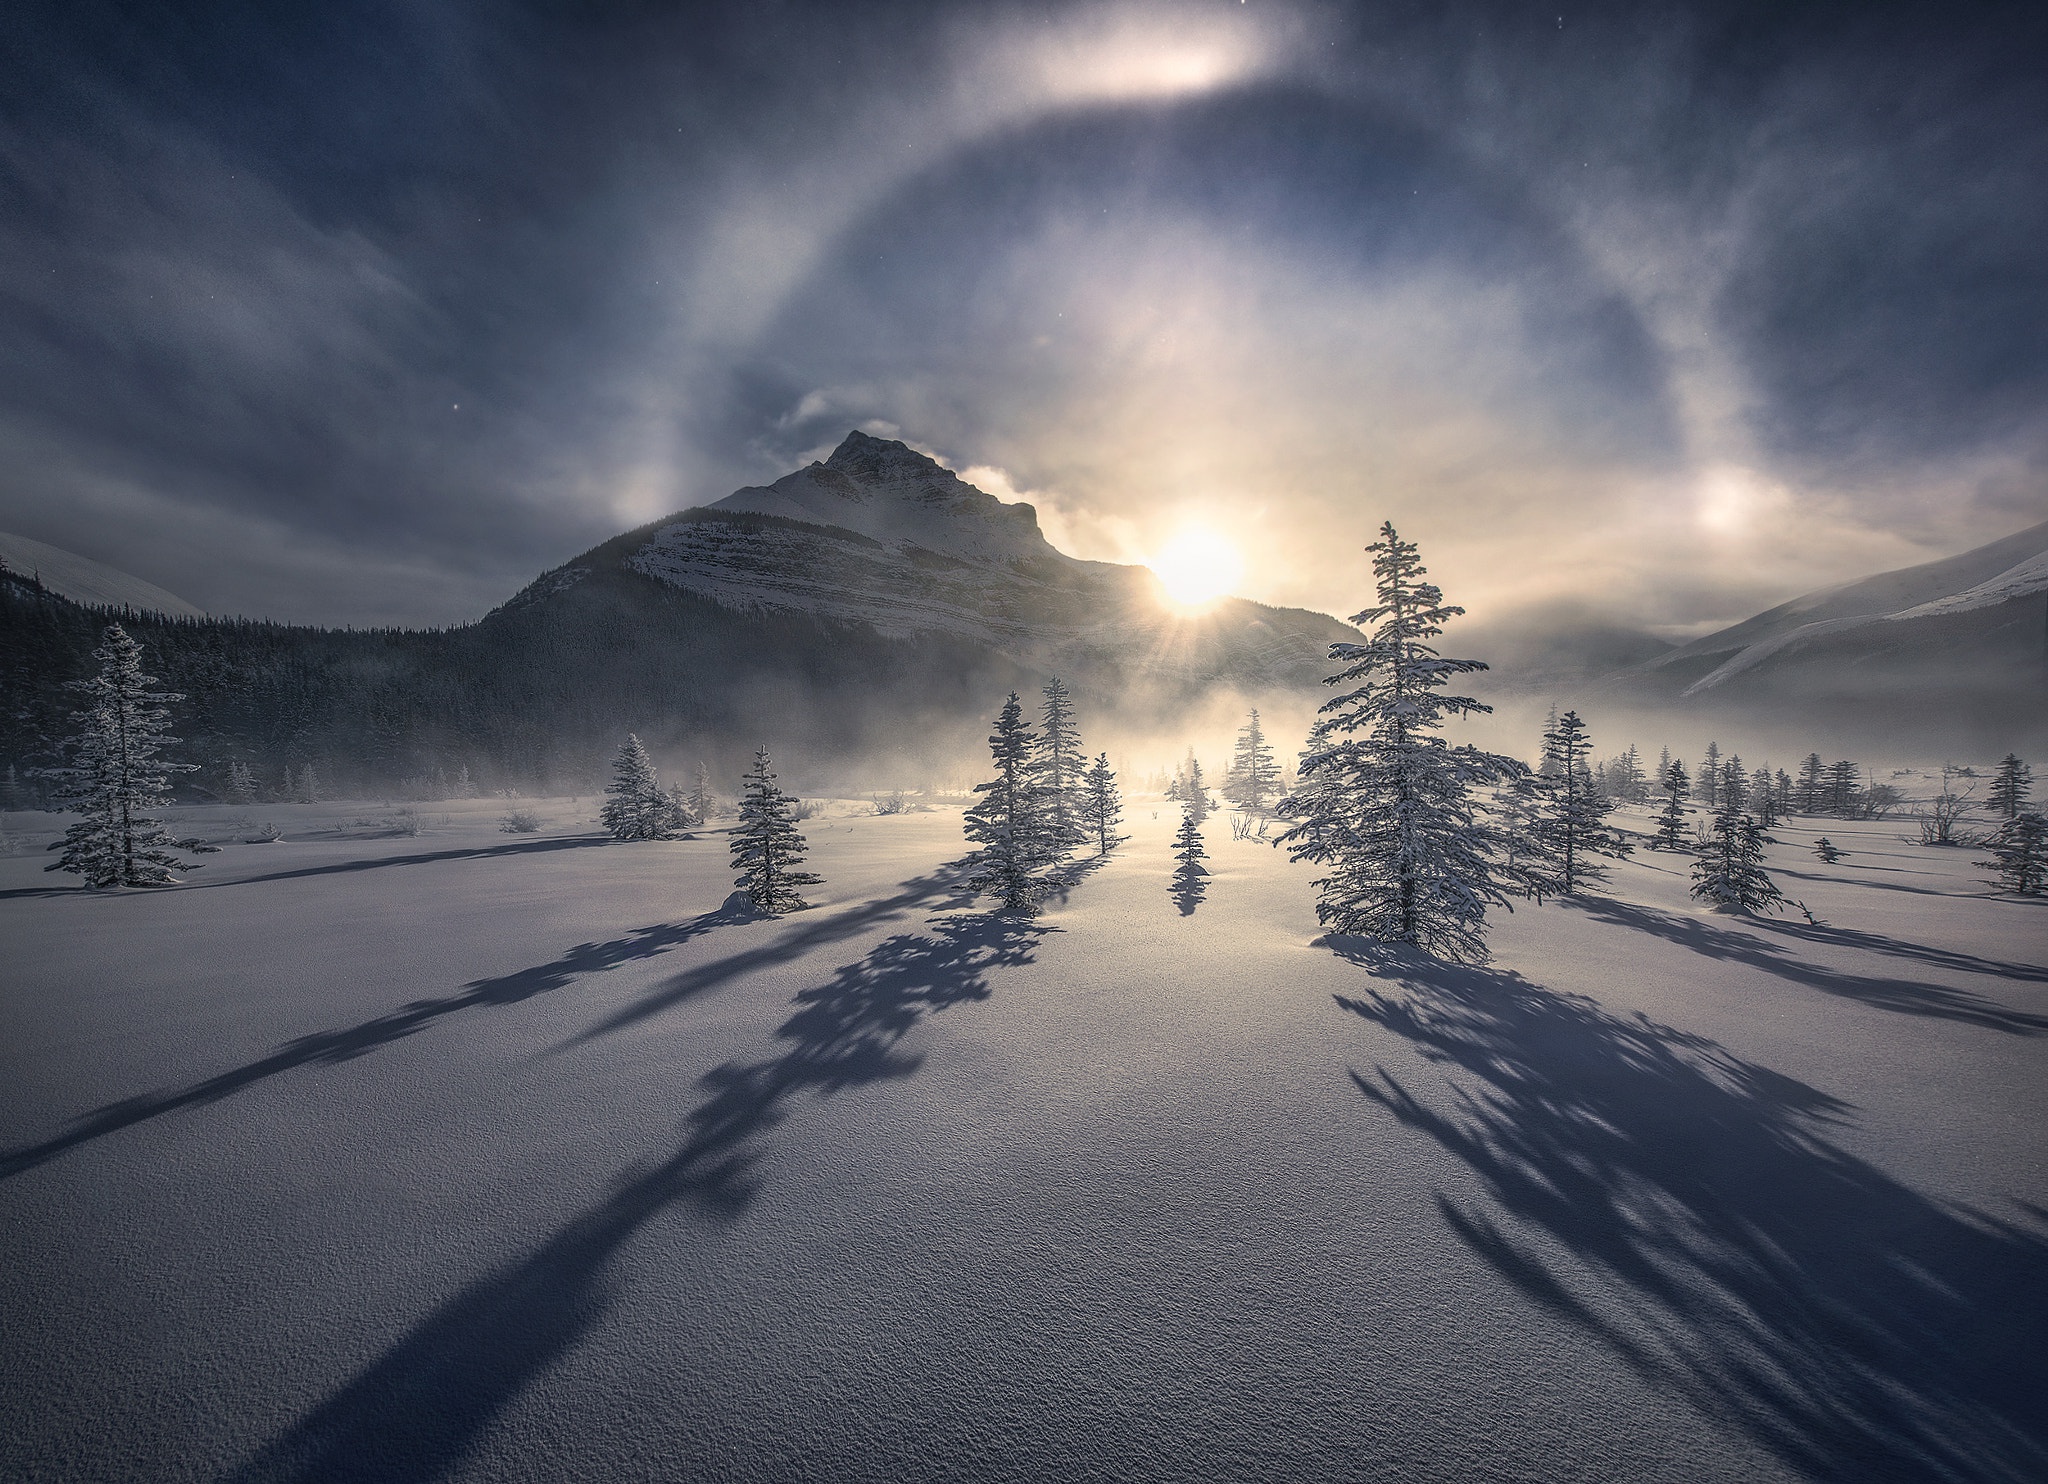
<point>1763,797</point>
<point>2011,789</point>
<point>1384,803</point>
<point>1841,789</point>
<point>241,784</point>
<point>113,776</point>
<point>767,847</point>
<point>1781,792</point>
<point>703,803</point>
<point>2019,855</point>
<point>1005,823</point>
<point>1671,823</point>
<point>1102,809</point>
<point>1254,775</point>
<point>1827,850</point>
<point>1663,764</point>
<point>1809,795</point>
<point>1057,763</point>
<point>1728,866</point>
<point>636,808</point>
<point>1570,829</point>
<point>1734,783</point>
<point>1190,876</point>
<point>1545,764</point>
<point>1710,776</point>
<point>1193,788</point>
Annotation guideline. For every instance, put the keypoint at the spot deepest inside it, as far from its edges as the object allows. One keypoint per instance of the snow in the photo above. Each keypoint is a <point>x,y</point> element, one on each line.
<point>2024,580</point>
<point>489,1157</point>
<point>86,581</point>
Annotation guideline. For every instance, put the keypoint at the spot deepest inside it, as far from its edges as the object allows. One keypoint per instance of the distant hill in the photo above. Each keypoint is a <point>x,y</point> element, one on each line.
<point>83,580</point>
<point>1954,651</point>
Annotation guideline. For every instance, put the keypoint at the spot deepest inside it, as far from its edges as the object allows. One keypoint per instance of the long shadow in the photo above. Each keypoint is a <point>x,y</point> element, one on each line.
<point>808,933</point>
<point>1905,996</point>
<point>1944,958</point>
<point>1190,884</point>
<point>329,1047</point>
<point>1918,891</point>
<point>1685,1207</point>
<point>418,1410</point>
<point>423,858</point>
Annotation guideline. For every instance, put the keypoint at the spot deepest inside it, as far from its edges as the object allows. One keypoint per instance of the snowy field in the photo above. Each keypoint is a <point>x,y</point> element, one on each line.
<point>466,1155</point>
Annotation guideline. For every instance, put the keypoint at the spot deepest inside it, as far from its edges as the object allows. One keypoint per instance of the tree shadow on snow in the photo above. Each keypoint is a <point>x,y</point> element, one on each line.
<point>332,1047</point>
<point>419,1409</point>
<point>1905,996</point>
<point>420,858</point>
<point>1685,1207</point>
<point>808,932</point>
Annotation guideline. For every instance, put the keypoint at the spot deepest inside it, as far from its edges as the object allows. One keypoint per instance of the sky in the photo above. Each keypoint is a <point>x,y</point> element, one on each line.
<point>368,313</point>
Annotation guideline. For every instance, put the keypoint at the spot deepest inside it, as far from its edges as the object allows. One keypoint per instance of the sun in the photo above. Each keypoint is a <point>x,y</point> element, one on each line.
<point>1197,565</point>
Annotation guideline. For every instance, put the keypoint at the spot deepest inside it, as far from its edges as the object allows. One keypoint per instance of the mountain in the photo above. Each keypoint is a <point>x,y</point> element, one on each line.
<point>1953,650</point>
<point>885,537</point>
<point>863,617</point>
<point>83,580</point>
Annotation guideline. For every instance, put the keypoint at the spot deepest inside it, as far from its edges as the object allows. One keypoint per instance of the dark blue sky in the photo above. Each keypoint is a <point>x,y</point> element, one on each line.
<point>367,313</point>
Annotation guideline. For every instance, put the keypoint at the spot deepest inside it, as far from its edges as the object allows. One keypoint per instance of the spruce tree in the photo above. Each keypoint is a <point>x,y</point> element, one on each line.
<point>1190,876</point>
<point>636,807</point>
<point>1383,802</point>
<point>2019,855</point>
<point>1194,789</point>
<point>1734,783</point>
<point>113,776</point>
<point>1842,780</point>
<point>1570,829</point>
<point>1809,795</point>
<point>1827,850</point>
<point>2011,789</point>
<point>1763,797</point>
<point>1005,823</point>
<point>241,784</point>
<point>1671,823</point>
<point>1728,866</point>
<point>1057,763</point>
<point>1254,775</point>
<point>702,801</point>
<point>767,847</point>
<point>1710,776</point>
<point>1102,809</point>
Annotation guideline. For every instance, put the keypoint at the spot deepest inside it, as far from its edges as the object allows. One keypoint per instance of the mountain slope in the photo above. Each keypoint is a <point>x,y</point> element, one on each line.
<point>1952,648</point>
<point>85,581</point>
<point>882,536</point>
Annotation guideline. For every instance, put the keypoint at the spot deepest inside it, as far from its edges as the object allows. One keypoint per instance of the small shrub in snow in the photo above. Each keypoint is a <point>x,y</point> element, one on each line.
<point>519,822</point>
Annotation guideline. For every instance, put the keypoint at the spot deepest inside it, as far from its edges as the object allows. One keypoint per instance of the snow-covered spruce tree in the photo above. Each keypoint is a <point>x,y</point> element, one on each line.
<point>1103,808</point>
<point>2019,855</point>
<point>1671,823</point>
<point>1763,797</point>
<point>241,784</point>
<point>1843,779</point>
<point>1005,823</point>
<point>1734,783</point>
<point>1728,865</point>
<point>1809,794</point>
<point>1709,775</point>
<point>1254,776</point>
<point>1057,764</point>
<point>767,848</point>
<point>1190,876</point>
<point>2011,789</point>
<point>1383,802</point>
<point>1194,789</point>
<point>635,808</point>
<point>1570,827</point>
<point>703,802</point>
<point>113,777</point>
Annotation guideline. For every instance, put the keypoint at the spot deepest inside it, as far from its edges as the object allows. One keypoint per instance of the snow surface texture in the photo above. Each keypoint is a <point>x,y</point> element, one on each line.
<point>83,580</point>
<point>480,1157</point>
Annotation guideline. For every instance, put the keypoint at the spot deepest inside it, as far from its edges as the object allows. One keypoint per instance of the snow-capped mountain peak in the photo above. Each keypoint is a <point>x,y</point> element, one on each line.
<point>889,491</point>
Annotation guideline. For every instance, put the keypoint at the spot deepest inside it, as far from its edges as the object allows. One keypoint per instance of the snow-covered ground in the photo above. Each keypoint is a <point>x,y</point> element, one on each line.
<point>481,1156</point>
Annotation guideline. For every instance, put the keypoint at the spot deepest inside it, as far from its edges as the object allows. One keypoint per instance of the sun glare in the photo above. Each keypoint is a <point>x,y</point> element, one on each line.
<point>1197,565</point>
